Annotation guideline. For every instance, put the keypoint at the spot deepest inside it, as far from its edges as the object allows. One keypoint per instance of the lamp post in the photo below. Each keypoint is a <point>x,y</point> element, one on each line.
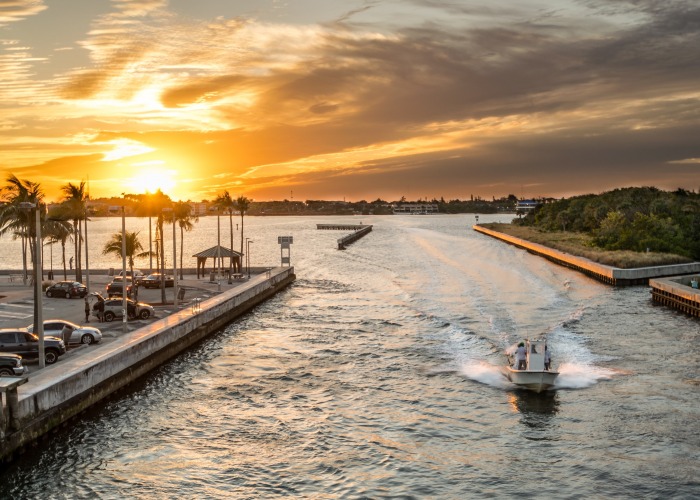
<point>125,327</point>
<point>38,275</point>
<point>247,254</point>
<point>172,212</point>
<point>87,264</point>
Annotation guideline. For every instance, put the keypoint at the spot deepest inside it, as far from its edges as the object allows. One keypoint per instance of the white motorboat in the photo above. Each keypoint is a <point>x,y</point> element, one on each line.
<point>534,377</point>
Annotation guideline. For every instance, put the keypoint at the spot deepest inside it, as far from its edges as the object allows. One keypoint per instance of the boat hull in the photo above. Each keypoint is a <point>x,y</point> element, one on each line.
<point>534,380</point>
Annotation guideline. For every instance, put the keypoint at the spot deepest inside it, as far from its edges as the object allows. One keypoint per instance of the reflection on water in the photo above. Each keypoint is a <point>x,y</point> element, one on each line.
<point>374,376</point>
<point>536,408</point>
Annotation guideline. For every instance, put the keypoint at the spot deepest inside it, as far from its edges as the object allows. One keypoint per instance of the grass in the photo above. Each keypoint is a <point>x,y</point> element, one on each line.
<point>581,245</point>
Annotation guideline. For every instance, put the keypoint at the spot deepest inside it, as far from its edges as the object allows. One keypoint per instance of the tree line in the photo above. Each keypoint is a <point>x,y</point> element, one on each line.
<point>66,222</point>
<point>637,218</point>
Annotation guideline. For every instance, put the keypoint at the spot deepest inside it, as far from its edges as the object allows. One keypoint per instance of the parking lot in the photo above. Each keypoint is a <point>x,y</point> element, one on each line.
<point>17,307</point>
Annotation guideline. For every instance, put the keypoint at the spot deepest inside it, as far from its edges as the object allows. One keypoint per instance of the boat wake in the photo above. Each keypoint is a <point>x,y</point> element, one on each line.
<point>485,373</point>
<point>575,376</point>
<point>571,376</point>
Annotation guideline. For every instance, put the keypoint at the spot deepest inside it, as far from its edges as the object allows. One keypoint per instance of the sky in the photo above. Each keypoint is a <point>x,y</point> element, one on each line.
<point>350,99</point>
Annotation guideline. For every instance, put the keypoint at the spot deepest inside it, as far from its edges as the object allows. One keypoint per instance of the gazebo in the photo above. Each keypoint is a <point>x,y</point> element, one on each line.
<point>219,252</point>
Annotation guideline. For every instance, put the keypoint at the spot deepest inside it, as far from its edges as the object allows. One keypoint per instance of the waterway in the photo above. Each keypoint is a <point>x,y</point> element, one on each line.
<point>377,375</point>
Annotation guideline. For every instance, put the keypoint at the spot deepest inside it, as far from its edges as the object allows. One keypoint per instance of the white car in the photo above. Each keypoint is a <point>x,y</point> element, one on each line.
<point>78,334</point>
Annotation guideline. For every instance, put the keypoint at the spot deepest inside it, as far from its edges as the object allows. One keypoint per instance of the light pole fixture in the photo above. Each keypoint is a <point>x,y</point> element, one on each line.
<point>175,291</point>
<point>247,254</point>
<point>87,264</point>
<point>125,309</point>
<point>38,275</point>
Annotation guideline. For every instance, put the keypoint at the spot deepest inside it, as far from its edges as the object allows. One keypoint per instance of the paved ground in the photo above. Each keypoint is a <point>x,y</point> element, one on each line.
<point>17,305</point>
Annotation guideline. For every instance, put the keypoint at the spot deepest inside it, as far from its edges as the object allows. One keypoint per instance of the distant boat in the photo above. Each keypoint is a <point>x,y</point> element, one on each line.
<point>534,377</point>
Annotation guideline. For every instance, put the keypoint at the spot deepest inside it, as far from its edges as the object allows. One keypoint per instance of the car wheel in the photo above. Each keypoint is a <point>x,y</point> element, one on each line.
<point>68,295</point>
<point>109,316</point>
<point>50,357</point>
<point>87,339</point>
<point>145,314</point>
<point>6,372</point>
<point>49,294</point>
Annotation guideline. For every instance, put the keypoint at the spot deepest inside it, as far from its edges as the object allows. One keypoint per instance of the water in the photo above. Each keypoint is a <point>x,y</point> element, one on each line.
<point>377,375</point>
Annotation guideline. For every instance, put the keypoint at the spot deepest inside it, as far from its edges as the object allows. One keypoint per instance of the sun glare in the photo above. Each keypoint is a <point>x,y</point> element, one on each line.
<point>151,180</point>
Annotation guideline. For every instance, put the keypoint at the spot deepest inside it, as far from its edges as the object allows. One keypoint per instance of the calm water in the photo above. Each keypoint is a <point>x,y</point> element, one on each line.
<point>376,375</point>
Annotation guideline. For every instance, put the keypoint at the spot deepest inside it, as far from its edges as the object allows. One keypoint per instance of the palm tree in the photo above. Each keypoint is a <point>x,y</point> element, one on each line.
<point>242,205</point>
<point>185,219</point>
<point>57,230</point>
<point>133,247</point>
<point>16,220</point>
<point>227,203</point>
<point>74,208</point>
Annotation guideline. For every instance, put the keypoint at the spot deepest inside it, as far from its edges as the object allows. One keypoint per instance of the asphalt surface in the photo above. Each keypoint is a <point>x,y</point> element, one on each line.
<point>17,306</point>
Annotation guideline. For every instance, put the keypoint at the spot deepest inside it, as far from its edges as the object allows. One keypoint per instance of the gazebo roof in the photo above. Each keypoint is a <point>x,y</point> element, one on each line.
<point>217,251</point>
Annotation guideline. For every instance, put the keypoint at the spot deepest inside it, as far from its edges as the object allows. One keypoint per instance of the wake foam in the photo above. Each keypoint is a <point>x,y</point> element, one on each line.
<point>577,376</point>
<point>485,373</point>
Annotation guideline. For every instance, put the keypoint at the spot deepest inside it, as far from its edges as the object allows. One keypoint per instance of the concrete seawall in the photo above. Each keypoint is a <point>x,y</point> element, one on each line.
<point>56,394</point>
<point>606,274</point>
<point>677,293</point>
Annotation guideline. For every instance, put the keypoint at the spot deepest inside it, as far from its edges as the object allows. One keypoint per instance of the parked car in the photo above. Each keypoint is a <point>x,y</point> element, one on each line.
<point>11,365</point>
<point>26,344</point>
<point>136,278</point>
<point>113,309</point>
<point>67,289</point>
<point>76,334</point>
<point>153,281</point>
<point>116,287</point>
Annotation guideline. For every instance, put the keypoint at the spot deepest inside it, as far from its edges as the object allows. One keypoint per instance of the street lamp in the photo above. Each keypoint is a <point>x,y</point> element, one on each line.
<point>38,275</point>
<point>172,213</point>
<point>125,310</point>
<point>247,254</point>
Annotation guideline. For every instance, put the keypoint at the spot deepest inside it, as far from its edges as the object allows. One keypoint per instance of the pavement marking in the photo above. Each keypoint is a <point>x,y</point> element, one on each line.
<point>11,315</point>
<point>17,305</point>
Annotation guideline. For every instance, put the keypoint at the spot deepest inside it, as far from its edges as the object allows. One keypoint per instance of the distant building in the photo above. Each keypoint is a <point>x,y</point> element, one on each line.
<point>524,207</point>
<point>416,208</point>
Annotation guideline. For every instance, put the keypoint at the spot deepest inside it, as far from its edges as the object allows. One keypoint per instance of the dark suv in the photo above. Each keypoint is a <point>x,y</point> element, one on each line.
<point>67,289</point>
<point>20,341</point>
<point>11,365</point>
<point>116,288</point>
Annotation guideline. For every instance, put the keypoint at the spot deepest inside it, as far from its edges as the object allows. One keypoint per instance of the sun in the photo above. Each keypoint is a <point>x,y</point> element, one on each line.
<point>151,180</point>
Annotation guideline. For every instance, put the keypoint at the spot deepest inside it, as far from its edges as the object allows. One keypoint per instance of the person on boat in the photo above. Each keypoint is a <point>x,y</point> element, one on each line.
<point>547,358</point>
<point>521,357</point>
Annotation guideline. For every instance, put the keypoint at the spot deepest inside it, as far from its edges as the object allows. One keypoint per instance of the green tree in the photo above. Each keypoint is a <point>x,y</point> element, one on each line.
<point>227,204</point>
<point>58,231</point>
<point>16,220</point>
<point>242,205</point>
<point>185,220</point>
<point>74,208</point>
<point>133,247</point>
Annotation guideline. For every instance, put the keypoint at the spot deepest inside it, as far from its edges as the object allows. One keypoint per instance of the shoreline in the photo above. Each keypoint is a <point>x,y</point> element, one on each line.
<point>607,274</point>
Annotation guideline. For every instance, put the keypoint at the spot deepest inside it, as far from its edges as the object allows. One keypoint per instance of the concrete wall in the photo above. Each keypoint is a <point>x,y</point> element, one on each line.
<point>677,293</point>
<point>601,272</point>
<point>54,396</point>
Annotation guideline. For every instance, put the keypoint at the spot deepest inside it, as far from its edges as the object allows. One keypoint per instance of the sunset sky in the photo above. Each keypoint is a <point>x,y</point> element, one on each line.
<point>350,99</point>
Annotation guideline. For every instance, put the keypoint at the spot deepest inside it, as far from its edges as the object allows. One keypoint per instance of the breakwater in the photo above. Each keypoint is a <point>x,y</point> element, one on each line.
<point>607,274</point>
<point>57,394</point>
<point>360,230</point>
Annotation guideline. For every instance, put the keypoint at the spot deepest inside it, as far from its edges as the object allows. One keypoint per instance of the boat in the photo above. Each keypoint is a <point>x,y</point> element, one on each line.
<point>534,377</point>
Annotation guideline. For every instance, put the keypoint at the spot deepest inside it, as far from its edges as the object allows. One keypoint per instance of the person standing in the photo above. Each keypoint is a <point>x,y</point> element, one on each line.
<point>521,357</point>
<point>70,262</point>
<point>547,358</point>
<point>87,310</point>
